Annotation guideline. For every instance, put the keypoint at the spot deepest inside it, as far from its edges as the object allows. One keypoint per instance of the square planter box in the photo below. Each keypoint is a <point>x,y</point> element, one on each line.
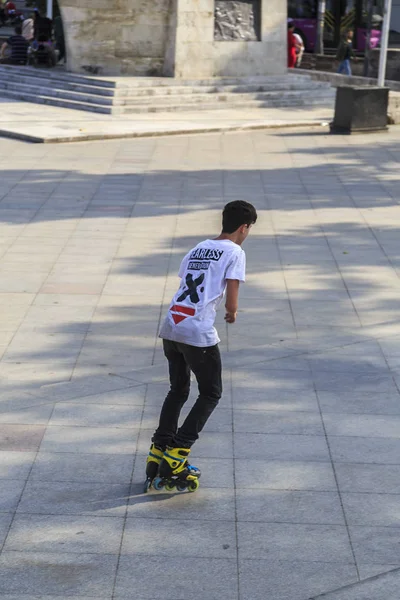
<point>360,109</point>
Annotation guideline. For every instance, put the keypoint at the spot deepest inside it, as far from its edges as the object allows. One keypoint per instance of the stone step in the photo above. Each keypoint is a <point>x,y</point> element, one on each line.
<point>55,75</point>
<point>43,99</point>
<point>277,101</point>
<point>158,99</point>
<point>249,104</point>
<point>30,85</point>
<point>52,92</point>
<point>137,82</point>
<point>215,89</point>
<point>44,83</point>
<point>234,98</point>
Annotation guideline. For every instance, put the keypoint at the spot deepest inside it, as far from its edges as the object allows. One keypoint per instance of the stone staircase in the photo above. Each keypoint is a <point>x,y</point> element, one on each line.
<point>154,94</point>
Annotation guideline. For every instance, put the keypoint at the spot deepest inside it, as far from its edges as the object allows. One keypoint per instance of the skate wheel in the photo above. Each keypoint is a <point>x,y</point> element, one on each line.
<point>181,487</point>
<point>147,485</point>
<point>170,487</point>
<point>194,485</point>
<point>158,484</point>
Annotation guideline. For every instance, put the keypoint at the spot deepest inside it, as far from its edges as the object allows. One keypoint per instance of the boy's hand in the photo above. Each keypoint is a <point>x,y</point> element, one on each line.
<point>230,317</point>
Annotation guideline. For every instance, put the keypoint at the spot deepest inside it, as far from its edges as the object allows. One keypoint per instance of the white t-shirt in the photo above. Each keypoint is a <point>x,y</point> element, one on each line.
<point>203,272</point>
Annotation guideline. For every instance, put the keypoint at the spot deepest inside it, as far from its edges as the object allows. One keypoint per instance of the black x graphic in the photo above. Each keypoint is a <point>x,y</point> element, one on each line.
<point>192,288</point>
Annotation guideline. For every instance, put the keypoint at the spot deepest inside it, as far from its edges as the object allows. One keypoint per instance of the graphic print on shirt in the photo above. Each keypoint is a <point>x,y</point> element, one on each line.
<point>192,289</point>
<point>204,257</point>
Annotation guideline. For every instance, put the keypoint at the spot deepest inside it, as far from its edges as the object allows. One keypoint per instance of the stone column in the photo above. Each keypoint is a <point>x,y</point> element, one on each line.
<point>193,52</point>
<point>115,37</point>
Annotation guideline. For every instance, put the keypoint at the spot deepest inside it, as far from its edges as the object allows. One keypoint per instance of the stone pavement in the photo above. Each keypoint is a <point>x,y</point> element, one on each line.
<point>301,462</point>
<point>44,124</point>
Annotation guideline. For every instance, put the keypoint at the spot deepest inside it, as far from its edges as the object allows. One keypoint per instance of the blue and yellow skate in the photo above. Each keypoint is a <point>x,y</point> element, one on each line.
<point>152,464</point>
<point>175,472</point>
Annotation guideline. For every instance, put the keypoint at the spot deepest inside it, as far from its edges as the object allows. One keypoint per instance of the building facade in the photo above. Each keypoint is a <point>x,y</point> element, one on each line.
<point>179,38</point>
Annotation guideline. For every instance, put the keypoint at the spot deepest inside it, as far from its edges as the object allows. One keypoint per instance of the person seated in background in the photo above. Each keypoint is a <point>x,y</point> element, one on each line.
<point>43,53</point>
<point>2,14</point>
<point>10,9</point>
<point>15,50</point>
<point>43,27</point>
<point>28,28</point>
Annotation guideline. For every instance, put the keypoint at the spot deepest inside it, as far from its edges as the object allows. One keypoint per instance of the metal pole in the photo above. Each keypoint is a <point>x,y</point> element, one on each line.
<point>49,9</point>
<point>319,46</point>
<point>370,10</point>
<point>384,42</point>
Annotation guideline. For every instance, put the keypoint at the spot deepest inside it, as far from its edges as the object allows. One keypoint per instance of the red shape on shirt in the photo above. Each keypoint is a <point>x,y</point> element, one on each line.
<point>180,313</point>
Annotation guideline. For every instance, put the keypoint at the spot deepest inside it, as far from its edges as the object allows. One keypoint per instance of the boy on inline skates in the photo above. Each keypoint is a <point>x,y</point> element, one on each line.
<point>190,343</point>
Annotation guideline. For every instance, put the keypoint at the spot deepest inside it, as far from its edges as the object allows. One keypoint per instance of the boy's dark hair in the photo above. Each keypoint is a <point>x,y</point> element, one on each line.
<point>237,213</point>
<point>18,29</point>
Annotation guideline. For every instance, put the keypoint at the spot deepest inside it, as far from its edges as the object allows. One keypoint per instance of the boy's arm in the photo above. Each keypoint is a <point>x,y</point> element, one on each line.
<point>232,299</point>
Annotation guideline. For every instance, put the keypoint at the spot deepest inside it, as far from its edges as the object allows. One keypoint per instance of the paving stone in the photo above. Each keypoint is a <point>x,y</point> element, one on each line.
<point>281,447</point>
<point>215,504</point>
<point>21,437</point>
<point>207,539</point>
<point>275,506</point>
<point>384,587</point>
<point>96,468</point>
<point>280,578</point>
<point>15,465</point>
<point>259,399</point>
<point>92,415</point>
<point>145,573</point>
<point>283,541</point>
<point>368,478</point>
<point>372,509</point>
<point>365,450</point>
<point>284,475</point>
<point>346,382</point>
<point>132,396</point>
<point>371,570</point>
<point>34,415</point>
<point>60,534</point>
<point>10,493</point>
<point>375,544</point>
<point>74,498</point>
<point>384,426</point>
<point>360,403</point>
<point>97,440</point>
<point>38,573</point>
<point>277,422</point>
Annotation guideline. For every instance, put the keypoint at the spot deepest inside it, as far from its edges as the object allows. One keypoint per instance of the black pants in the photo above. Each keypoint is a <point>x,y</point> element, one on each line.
<point>206,365</point>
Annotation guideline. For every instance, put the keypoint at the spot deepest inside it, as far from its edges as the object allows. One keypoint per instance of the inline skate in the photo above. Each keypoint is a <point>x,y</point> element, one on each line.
<point>152,463</point>
<point>175,472</point>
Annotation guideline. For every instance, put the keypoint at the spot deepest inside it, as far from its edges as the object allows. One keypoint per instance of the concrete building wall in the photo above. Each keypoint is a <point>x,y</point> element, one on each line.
<point>170,37</point>
<point>115,36</point>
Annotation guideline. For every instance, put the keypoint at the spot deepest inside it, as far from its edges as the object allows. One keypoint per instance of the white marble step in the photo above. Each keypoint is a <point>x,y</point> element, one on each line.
<point>223,98</point>
<point>247,103</point>
<point>139,82</point>
<point>148,108</point>
<point>30,84</point>
<point>158,100</point>
<point>43,99</point>
<point>45,84</point>
<point>54,75</point>
<point>55,92</point>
